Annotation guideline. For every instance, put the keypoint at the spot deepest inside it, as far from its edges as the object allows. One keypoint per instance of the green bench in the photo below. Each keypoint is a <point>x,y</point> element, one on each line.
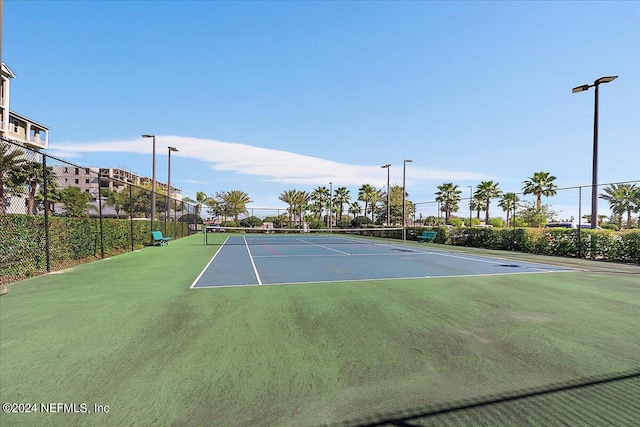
<point>159,239</point>
<point>427,236</point>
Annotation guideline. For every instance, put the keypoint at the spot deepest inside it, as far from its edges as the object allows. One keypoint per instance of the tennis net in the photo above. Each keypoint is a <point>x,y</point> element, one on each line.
<point>215,235</point>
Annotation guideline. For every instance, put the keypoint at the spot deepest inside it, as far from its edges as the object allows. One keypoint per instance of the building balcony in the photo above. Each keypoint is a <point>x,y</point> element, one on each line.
<point>29,132</point>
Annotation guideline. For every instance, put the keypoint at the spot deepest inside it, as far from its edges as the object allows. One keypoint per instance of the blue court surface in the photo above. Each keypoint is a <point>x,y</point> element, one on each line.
<point>274,260</point>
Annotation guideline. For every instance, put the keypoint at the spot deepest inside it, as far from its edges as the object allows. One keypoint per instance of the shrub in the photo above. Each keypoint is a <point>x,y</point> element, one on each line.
<point>316,224</point>
<point>250,221</point>
<point>359,221</point>
<point>496,222</point>
<point>456,222</point>
<point>630,247</point>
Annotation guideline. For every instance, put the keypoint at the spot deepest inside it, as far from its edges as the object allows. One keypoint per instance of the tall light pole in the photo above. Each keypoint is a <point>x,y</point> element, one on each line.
<point>153,180</point>
<point>404,192</point>
<point>169,182</point>
<point>594,177</point>
<point>470,200</point>
<point>388,195</point>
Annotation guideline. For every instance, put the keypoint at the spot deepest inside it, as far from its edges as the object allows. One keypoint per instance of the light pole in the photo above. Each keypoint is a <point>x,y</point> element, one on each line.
<point>169,182</point>
<point>153,180</point>
<point>594,178</point>
<point>388,195</point>
<point>470,200</point>
<point>404,192</point>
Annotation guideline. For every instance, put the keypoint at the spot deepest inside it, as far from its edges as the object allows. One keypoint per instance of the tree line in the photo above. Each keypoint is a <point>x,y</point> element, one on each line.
<point>320,208</point>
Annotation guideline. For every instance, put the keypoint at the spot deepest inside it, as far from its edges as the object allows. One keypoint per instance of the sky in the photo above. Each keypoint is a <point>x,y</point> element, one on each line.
<point>265,97</point>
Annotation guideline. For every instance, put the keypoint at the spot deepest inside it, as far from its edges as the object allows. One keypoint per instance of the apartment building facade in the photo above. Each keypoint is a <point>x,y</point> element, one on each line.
<point>15,126</point>
<point>22,130</point>
<point>35,136</point>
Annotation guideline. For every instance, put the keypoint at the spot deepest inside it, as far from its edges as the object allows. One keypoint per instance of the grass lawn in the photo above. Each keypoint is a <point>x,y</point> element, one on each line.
<point>127,332</point>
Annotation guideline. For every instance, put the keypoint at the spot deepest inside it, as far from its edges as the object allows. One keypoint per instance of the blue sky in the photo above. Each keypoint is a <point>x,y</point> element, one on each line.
<point>265,97</point>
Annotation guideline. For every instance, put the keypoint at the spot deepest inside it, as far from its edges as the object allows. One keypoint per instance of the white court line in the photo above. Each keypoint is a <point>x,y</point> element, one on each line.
<point>486,261</point>
<point>388,279</point>
<point>208,264</point>
<point>253,264</point>
<point>340,255</point>
<point>321,246</point>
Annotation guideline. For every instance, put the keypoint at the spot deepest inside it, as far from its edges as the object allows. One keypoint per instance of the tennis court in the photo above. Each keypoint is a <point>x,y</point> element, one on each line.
<point>274,259</point>
<point>496,350</point>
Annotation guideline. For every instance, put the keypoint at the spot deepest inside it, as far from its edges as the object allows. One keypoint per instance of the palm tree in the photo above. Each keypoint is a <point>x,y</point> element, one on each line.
<point>486,191</point>
<point>289,197</point>
<point>319,196</point>
<point>355,209</point>
<point>11,159</point>
<point>508,203</point>
<point>636,202</point>
<point>449,195</point>
<point>540,184</point>
<point>374,198</point>
<point>364,195</point>
<point>235,202</point>
<point>341,196</point>
<point>622,199</point>
<point>477,205</point>
<point>301,201</point>
<point>30,175</point>
<point>201,198</point>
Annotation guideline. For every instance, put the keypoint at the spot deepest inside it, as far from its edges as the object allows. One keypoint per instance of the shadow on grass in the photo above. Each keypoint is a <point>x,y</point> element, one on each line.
<point>602,400</point>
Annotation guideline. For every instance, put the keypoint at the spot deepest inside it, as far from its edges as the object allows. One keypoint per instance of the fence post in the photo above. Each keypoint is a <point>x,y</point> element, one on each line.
<point>131,216</point>
<point>46,214</point>
<point>579,222</point>
<point>165,215</point>
<point>101,229</point>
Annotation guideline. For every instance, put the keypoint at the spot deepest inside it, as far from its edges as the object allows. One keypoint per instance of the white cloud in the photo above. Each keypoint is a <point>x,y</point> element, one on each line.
<point>194,181</point>
<point>274,165</point>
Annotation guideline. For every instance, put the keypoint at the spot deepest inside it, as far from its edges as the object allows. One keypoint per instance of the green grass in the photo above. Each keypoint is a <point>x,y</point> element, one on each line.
<point>128,333</point>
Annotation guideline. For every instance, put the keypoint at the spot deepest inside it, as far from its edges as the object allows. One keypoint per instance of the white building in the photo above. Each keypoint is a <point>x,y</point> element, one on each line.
<point>19,129</point>
<point>15,126</point>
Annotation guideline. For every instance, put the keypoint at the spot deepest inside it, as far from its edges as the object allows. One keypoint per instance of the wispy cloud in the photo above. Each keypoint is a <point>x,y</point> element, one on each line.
<point>274,165</point>
<point>194,181</point>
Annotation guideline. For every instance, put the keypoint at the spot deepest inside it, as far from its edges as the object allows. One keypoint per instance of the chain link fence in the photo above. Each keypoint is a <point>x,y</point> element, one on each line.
<point>567,205</point>
<point>55,214</point>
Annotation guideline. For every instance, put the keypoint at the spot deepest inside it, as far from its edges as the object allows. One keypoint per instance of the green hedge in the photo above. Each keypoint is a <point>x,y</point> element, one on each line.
<point>22,247</point>
<point>623,246</point>
<point>71,241</point>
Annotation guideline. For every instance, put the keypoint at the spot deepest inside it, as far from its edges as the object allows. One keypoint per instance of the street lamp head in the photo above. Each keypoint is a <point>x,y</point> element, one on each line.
<point>173,149</point>
<point>148,136</point>
<point>385,166</point>
<point>606,79</point>
<point>580,88</point>
<point>408,161</point>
